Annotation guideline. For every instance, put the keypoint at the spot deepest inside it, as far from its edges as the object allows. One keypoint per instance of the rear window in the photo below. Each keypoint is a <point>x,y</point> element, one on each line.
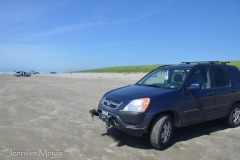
<point>236,74</point>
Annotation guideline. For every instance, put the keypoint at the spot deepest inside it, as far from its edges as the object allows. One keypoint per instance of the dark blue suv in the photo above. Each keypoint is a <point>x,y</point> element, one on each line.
<point>173,96</point>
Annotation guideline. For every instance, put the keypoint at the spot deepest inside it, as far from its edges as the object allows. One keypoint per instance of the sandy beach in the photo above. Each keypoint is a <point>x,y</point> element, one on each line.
<point>120,76</point>
<point>47,116</point>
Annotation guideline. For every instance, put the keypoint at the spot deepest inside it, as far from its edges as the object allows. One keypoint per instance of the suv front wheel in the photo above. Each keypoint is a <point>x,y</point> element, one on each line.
<point>233,119</point>
<point>162,130</point>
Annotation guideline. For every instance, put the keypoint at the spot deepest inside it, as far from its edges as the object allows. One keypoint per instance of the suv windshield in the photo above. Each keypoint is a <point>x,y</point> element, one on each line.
<point>165,77</point>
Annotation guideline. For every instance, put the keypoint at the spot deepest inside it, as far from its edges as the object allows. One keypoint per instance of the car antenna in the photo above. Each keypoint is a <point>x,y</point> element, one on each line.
<point>130,70</point>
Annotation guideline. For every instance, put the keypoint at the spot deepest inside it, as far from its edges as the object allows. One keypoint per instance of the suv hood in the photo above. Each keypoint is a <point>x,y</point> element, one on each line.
<point>135,92</point>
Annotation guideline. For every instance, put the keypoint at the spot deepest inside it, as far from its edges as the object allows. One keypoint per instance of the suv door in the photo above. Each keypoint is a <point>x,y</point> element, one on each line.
<point>223,93</point>
<point>196,101</point>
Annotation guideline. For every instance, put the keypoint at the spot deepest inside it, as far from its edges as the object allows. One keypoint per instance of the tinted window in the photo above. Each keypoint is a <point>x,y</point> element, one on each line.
<point>220,78</point>
<point>202,77</point>
<point>235,73</point>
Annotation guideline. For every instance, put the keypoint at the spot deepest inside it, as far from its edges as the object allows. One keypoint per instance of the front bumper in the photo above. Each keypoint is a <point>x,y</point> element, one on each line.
<point>115,121</point>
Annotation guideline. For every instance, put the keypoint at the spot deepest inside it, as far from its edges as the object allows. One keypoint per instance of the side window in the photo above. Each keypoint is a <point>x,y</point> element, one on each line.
<point>220,78</point>
<point>236,74</point>
<point>202,77</point>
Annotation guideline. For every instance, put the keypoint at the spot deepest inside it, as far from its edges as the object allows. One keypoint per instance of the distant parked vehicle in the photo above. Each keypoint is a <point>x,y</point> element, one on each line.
<point>22,74</point>
<point>53,72</point>
<point>27,74</point>
<point>18,73</point>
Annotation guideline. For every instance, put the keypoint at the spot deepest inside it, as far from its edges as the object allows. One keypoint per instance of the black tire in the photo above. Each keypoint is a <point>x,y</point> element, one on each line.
<point>233,119</point>
<point>162,131</point>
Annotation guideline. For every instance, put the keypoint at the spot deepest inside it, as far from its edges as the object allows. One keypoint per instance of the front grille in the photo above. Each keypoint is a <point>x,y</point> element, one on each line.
<point>111,102</point>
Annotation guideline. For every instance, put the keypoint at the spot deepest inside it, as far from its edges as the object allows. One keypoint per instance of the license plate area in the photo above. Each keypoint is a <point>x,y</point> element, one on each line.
<point>105,113</point>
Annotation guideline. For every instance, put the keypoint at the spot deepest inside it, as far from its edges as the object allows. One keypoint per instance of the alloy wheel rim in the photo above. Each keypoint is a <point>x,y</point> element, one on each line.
<point>236,115</point>
<point>166,132</point>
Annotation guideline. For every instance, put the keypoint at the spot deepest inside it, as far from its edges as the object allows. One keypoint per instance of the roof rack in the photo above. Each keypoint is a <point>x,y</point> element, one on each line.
<point>208,62</point>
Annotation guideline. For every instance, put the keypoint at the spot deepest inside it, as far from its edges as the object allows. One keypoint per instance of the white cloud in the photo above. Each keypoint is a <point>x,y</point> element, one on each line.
<point>69,28</point>
<point>25,10</point>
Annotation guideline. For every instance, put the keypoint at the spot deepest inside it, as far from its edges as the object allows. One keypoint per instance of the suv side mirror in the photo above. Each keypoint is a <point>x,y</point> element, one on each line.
<point>194,87</point>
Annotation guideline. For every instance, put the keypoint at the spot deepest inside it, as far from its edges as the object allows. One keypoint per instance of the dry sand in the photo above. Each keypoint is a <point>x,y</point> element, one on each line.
<point>47,117</point>
<point>133,77</point>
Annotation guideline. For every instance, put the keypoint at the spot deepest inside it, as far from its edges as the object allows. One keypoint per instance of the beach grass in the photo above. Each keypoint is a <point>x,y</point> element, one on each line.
<point>136,69</point>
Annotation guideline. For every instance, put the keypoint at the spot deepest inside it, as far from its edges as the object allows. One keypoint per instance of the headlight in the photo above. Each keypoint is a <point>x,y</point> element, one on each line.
<point>138,105</point>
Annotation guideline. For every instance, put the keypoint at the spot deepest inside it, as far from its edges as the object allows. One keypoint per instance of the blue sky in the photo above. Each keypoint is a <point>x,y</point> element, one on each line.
<point>68,35</point>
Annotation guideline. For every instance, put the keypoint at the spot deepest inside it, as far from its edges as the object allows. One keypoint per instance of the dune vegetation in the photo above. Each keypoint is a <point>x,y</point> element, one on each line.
<point>137,69</point>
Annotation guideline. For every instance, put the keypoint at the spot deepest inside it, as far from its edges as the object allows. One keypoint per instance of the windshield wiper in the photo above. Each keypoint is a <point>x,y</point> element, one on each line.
<point>152,85</point>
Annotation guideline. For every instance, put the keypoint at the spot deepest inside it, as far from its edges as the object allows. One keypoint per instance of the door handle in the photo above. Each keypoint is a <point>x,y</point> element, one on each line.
<point>210,93</point>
